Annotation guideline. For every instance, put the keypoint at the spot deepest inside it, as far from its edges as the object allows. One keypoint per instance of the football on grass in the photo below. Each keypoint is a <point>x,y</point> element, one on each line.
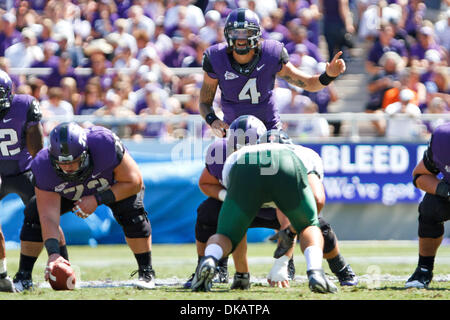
<point>62,277</point>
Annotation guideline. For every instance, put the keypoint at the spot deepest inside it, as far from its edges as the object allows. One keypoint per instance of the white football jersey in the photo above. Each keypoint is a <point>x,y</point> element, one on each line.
<point>310,159</point>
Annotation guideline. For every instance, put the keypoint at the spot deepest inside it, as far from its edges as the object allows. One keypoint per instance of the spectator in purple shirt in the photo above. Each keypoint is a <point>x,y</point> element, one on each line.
<point>92,101</point>
<point>385,42</point>
<point>50,60</point>
<point>61,70</point>
<point>425,41</point>
<point>310,17</point>
<point>415,13</point>
<point>9,34</point>
<point>103,18</point>
<point>180,51</point>
<point>299,35</point>
<point>122,7</point>
<point>291,10</point>
<point>273,28</point>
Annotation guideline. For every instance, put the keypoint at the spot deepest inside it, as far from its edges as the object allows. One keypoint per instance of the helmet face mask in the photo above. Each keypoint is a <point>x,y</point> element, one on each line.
<point>68,146</point>
<point>5,93</point>
<point>242,24</point>
<point>275,136</point>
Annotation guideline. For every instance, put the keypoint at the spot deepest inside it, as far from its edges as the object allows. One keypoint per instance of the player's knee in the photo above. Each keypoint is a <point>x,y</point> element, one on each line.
<point>329,236</point>
<point>429,227</point>
<point>203,232</point>
<point>207,218</point>
<point>31,231</point>
<point>136,225</point>
<point>31,228</point>
<point>431,230</point>
<point>431,223</point>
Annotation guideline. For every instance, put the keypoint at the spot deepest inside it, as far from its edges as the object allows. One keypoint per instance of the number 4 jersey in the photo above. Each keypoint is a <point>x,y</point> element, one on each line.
<point>106,152</point>
<point>247,89</point>
<point>14,156</point>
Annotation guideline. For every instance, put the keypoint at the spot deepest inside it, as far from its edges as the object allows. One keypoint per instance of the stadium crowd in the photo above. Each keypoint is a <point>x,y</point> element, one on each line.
<point>133,48</point>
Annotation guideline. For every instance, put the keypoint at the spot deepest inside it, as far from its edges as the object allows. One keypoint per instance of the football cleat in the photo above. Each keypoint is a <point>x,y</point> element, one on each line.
<point>6,283</point>
<point>221,275</point>
<point>187,284</point>
<point>347,277</point>
<point>319,283</point>
<point>241,281</point>
<point>286,241</point>
<point>146,279</point>
<point>205,274</point>
<point>420,279</point>
<point>23,281</point>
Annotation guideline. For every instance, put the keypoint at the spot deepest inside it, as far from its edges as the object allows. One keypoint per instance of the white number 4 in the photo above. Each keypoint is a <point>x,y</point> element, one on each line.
<point>249,91</point>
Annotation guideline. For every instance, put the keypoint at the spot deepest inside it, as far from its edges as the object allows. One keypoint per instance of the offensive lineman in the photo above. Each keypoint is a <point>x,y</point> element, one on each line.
<point>434,209</point>
<point>21,137</point>
<point>80,170</point>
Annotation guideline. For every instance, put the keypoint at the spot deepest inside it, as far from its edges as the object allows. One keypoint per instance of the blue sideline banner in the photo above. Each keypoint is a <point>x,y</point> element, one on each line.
<point>354,173</point>
<point>360,173</point>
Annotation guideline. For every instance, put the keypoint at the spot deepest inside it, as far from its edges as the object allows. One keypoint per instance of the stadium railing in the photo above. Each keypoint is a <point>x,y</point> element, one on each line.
<point>195,123</point>
<point>350,119</point>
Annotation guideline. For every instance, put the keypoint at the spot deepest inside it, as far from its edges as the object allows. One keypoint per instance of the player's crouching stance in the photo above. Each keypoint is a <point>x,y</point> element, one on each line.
<point>80,170</point>
<point>260,174</point>
<point>434,209</point>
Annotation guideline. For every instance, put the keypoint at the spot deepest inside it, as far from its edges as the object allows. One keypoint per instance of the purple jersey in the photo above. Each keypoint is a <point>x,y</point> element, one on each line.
<point>438,155</point>
<point>247,91</point>
<point>215,157</point>
<point>14,156</point>
<point>106,152</point>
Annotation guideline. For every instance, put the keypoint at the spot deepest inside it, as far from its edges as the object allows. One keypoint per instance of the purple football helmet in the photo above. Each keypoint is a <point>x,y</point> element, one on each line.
<point>68,143</point>
<point>242,24</point>
<point>5,93</point>
<point>245,130</point>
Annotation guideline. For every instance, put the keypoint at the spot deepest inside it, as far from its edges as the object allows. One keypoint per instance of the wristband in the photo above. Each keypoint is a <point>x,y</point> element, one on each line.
<point>325,79</point>
<point>222,195</point>
<point>210,118</point>
<point>442,190</point>
<point>105,197</point>
<point>52,246</point>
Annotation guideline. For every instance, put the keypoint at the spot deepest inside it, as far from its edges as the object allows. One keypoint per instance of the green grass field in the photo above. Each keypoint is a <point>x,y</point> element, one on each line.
<point>104,274</point>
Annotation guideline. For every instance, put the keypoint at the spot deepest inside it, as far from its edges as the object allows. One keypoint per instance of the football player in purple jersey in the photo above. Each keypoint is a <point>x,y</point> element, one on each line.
<point>80,170</point>
<point>21,137</point>
<point>432,175</point>
<point>245,67</point>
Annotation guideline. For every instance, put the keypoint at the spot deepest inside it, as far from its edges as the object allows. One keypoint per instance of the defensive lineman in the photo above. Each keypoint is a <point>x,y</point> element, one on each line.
<point>260,174</point>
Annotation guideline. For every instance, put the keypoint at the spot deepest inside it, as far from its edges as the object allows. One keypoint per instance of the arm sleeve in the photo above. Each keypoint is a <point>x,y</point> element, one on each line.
<point>428,160</point>
<point>120,148</point>
<point>34,114</point>
<point>206,64</point>
<point>284,56</point>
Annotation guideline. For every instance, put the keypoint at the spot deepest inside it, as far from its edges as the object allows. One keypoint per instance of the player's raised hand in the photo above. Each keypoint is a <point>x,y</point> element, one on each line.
<point>336,66</point>
<point>219,128</point>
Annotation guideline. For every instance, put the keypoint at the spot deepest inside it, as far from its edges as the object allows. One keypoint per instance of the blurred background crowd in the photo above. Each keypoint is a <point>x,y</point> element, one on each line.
<point>123,58</point>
